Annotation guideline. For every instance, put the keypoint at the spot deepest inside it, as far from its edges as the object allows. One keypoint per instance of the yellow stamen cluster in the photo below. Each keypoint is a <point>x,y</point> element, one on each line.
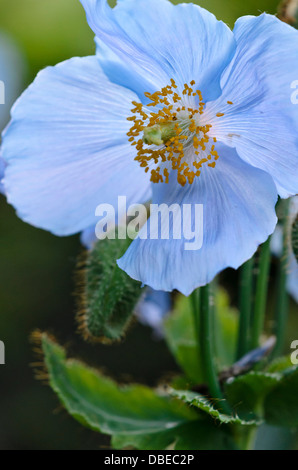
<point>175,127</point>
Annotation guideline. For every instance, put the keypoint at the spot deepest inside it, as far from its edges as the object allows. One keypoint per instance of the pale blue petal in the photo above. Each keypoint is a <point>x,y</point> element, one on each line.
<point>293,208</point>
<point>152,309</point>
<point>239,214</point>
<point>263,121</point>
<point>276,242</point>
<point>156,41</point>
<point>88,237</point>
<point>67,149</point>
<point>119,72</point>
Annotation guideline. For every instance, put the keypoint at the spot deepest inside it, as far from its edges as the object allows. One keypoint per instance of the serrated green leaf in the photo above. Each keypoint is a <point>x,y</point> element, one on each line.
<point>295,238</point>
<point>102,405</point>
<point>134,416</point>
<point>281,404</point>
<point>204,405</point>
<point>246,394</point>
<point>109,295</point>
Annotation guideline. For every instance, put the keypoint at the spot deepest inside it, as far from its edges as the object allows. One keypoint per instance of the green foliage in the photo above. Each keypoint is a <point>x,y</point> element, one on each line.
<point>274,438</point>
<point>246,394</point>
<point>204,405</point>
<point>195,435</point>
<point>49,31</point>
<point>270,396</point>
<point>101,404</point>
<point>295,237</point>
<point>182,339</point>
<point>280,365</point>
<point>135,416</point>
<point>281,405</point>
<point>226,329</point>
<point>108,294</point>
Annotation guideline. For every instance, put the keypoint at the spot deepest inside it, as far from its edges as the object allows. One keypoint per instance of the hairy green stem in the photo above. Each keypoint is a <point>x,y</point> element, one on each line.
<point>195,303</point>
<point>206,342</point>
<point>245,307</point>
<point>261,294</point>
<point>282,303</point>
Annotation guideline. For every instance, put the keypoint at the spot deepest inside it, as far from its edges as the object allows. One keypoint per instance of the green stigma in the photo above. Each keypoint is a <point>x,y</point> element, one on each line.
<point>159,134</point>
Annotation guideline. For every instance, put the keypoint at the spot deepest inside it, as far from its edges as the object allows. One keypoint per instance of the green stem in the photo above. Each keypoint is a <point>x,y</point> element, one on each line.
<point>245,296</point>
<point>206,334</point>
<point>261,294</point>
<point>282,304</point>
<point>195,303</point>
<point>245,436</point>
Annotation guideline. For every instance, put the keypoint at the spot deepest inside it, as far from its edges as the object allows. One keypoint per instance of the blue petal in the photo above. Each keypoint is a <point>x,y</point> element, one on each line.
<point>158,41</point>
<point>239,214</point>
<point>67,149</point>
<point>276,242</point>
<point>153,308</point>
<point>88,237</point>
<point>262,124</point>
<point>120,72</point>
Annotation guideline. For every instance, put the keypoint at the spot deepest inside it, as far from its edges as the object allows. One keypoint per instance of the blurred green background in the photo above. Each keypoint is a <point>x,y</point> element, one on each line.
<point>36,275</point>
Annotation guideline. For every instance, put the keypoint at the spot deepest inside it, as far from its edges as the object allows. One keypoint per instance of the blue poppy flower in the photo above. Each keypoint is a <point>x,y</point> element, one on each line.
<point>212,124</point>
